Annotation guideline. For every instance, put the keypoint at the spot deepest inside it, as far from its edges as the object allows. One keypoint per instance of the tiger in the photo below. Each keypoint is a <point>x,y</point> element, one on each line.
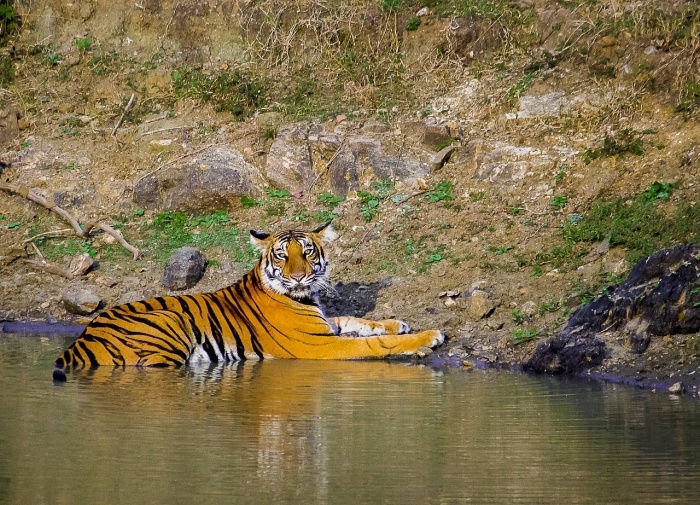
<point>271,312</point>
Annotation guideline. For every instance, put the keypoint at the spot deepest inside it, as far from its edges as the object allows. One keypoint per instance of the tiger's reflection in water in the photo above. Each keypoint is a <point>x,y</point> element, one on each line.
<point>274,419</point>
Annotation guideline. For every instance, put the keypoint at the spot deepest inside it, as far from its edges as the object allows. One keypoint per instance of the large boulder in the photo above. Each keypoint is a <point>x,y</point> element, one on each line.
<point>213,180</point>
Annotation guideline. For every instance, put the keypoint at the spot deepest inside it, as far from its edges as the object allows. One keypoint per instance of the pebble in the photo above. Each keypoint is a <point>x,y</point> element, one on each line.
<point>676,389</point>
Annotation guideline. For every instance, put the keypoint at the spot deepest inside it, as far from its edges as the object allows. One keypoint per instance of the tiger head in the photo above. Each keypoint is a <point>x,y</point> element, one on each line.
<point>293,262</point>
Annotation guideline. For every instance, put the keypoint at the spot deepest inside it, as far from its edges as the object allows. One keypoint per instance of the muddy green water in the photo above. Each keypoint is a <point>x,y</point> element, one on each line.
<point>334,433</point>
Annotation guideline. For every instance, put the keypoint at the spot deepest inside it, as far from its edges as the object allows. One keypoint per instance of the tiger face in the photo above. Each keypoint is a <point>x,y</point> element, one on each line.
<point>294,262</point>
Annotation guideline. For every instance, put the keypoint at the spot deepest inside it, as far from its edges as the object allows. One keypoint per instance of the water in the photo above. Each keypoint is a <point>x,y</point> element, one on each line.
<point>334,433</point>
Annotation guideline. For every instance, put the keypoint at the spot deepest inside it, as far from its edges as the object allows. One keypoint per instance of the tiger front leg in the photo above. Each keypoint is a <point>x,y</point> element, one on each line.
<point>368,328</point>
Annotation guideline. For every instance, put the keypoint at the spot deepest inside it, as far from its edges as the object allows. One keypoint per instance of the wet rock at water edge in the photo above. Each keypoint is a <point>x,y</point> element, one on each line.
<point>184,268</point>
<point>81,301</point>
<point>676,388</point>
<point>659,298</point>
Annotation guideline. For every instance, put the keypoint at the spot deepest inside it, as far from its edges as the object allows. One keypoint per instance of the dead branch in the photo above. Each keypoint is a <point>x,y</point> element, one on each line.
<point>83,233</point>
<point>126,109</point>
<point>49,268</point>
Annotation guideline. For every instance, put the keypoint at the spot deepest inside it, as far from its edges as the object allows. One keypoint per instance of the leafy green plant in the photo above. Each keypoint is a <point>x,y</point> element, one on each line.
<point>502,250</point>
<point>559,202</point>
<point>84,44</point>
<point>15,224</point>
<point>625,140</point>
<point>518,316</point>
<point>524,335</point>
<point>412,24</point>
<point>369,201</point>
<point>277,193</point>
<point>659,191</point>
<point>248,202</point>
<point>7,17</point>
<point>329,200</point>
<point>391,5</point>
<point>441,192</point>
<point>548,307</point>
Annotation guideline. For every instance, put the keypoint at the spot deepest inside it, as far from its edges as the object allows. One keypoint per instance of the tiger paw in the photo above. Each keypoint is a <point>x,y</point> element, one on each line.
<point>395,327</point>
<point>434,337</point>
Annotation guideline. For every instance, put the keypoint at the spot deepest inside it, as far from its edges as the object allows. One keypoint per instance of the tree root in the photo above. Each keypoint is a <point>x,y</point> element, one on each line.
<point>83,233</point>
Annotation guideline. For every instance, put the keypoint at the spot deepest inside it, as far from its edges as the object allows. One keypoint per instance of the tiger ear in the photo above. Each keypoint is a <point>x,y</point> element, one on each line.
<point>259,239</point>
<point>326,233</point>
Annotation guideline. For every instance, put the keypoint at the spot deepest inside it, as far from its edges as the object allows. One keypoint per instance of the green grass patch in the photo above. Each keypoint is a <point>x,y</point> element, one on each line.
<point>639,225</point>
<point>171,230</point>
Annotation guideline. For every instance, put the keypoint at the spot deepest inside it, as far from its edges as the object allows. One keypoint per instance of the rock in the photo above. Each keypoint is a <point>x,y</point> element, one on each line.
<point>81,301</point>
<point>184,268</point>
<point>9,127</point>
<point>676,388</point>
<point>550,105</point>
<point>364,158</point>
<point>288,164</point>
<point>214,180</point>
<point>659,298</point>
<point>479,305</point>
<point>81,264</point>
<point>529,308</point>
<point>424,11</point>
<point>441,157</point>
<point>504,164</point>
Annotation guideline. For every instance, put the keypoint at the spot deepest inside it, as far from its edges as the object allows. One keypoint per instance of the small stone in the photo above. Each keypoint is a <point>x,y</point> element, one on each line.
<point>441,157</point>
<point>676,389</point>
<point>425,11</point>
<point>529,308</point>
<point>479,305</point>
<point>450,302</point>
<point>340,118</point>
<point>81,264</point>
<point>423,351</point>
<point>23,123</point>
<point>81,301</point>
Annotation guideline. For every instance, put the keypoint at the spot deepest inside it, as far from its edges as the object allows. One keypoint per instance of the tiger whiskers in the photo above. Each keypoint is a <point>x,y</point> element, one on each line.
<point>327,288</point>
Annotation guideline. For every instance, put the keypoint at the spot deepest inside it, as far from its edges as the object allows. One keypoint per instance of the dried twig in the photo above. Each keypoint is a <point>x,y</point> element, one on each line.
<point>161,130</point>
<point>128,107</point>
<point>83,233</point>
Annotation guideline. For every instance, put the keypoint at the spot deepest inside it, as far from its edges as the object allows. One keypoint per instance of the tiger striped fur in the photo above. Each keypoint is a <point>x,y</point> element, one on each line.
<point>272,311</point>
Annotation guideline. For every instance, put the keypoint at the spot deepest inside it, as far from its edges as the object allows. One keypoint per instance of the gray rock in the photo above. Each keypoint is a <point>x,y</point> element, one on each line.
<point>550,105</point>
<point>441,157</point>
<point>289,164</point>
<point>81,301</point>
<point>504,164</point>
<point>364,158</point>
<point>184,268</point>
<point>213,180</point>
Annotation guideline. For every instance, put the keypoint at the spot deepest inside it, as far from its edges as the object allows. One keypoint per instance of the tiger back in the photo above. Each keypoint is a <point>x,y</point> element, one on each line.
<point>273,311</point>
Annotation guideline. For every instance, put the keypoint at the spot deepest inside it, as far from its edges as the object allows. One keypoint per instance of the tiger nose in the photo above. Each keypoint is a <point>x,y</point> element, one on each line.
<point>297,277</point>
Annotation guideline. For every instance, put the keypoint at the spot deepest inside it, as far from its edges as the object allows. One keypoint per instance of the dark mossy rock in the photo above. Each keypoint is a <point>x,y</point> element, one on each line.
<point>660,297</point>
